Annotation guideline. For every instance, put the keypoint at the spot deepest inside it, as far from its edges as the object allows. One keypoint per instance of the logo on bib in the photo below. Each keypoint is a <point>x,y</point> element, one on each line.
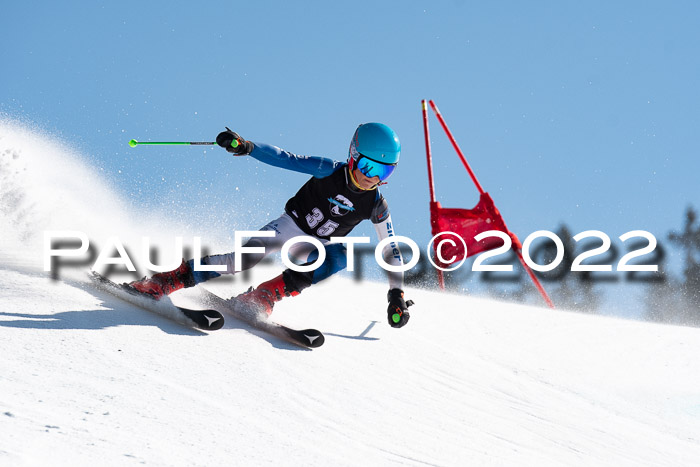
<point>340,206</point>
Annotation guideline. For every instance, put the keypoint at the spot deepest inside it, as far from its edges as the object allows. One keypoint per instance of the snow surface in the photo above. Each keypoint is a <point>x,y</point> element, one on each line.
<point>86,379</point>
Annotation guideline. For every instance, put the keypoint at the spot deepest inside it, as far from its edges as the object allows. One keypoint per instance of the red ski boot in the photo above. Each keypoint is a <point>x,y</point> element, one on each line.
<point>165,283</point>
<point>262,299</point>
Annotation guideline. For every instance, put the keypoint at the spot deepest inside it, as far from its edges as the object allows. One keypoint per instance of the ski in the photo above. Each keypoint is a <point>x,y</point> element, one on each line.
<point>307,338</point>
<point>207,320</point>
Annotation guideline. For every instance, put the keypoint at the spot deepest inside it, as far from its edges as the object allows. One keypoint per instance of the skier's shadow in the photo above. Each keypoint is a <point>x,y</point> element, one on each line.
<point>362,336</point>
<point>95,319</point>
<point>106,316</point>
<point>111,312</point>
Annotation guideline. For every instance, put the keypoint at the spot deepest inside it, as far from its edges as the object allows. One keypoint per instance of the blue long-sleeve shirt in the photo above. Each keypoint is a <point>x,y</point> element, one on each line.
<point>312,165</point>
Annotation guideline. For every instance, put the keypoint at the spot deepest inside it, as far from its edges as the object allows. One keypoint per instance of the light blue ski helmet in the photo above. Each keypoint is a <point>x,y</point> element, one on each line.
<point>380,145</point>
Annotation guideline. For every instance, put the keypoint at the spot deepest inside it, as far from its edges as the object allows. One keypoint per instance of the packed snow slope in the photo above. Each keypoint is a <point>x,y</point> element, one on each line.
<point>86,379</point>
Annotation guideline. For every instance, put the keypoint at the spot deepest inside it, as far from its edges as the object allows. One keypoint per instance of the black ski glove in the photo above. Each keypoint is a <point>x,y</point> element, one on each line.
<point>233,143</point>
<point>397,313</point>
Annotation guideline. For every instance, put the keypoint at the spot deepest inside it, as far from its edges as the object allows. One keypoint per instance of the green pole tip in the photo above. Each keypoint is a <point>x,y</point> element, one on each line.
<point>133,143</point>
<point>396,317</point>
<point>234,143</point>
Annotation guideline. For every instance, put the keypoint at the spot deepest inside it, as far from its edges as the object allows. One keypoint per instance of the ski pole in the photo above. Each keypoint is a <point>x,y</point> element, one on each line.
<point>133,143</point>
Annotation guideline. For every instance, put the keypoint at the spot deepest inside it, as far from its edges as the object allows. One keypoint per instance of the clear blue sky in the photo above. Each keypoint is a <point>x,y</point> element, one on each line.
<point>579,112</point>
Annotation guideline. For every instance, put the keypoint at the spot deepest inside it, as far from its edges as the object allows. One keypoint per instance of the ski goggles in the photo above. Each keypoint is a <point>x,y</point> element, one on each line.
<point>371,168</point>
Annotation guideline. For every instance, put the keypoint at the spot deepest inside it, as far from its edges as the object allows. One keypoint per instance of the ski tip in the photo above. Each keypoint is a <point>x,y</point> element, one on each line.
<point>312,338</point>
<point>207,320</point>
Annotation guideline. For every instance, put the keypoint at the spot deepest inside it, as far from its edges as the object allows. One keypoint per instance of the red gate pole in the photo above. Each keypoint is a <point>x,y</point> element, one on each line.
<point>456,146</point>
<point>431,183</point>
<point>428,151</point>
<point>534,279</point>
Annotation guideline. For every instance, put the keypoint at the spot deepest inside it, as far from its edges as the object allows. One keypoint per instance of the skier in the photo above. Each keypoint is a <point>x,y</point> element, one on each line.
<point>330,204</point>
